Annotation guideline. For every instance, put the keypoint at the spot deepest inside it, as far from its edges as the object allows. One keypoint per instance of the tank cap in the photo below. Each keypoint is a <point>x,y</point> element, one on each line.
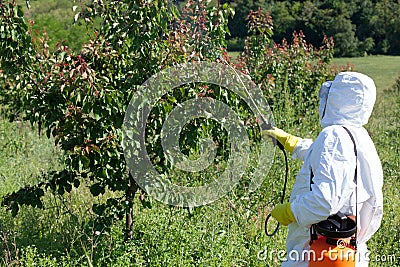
<point>336,226</point>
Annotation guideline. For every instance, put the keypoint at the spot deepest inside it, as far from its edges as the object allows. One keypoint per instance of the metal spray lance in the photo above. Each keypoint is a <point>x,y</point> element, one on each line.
<point>265,126</point>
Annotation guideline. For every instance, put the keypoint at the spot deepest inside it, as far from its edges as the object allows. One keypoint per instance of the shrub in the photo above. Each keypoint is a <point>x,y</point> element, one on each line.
<point>290,74</point>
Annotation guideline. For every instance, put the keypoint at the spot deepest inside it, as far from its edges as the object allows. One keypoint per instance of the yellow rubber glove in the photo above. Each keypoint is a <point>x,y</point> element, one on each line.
<point>288,141</point>
<point>283,214</point>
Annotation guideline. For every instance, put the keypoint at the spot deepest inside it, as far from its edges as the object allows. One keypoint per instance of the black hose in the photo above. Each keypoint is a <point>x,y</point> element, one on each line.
<point>283,190</point>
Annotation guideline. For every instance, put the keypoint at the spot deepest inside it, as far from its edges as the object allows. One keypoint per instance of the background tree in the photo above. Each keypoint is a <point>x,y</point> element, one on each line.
<point>358,27</point>
<point>387,26</point>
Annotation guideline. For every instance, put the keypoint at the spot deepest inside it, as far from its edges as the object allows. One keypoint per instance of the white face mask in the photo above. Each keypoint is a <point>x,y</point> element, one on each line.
<point>323,98</point>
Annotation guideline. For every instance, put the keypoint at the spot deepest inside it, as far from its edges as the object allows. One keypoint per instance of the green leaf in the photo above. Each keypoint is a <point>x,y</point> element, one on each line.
<point>20,11</point>
<point>85,162</point>
<point>68,187</point>
<point>97,189</point>
<point>76,183</point>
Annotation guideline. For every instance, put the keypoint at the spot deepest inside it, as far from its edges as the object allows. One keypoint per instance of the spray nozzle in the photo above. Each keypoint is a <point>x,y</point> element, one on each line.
<point>265,125</point>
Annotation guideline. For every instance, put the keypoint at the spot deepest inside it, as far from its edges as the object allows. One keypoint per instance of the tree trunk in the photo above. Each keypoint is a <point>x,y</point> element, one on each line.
<point>130,194</point>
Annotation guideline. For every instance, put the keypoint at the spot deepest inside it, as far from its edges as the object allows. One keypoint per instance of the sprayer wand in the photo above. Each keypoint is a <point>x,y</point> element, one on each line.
<point>266,126</point>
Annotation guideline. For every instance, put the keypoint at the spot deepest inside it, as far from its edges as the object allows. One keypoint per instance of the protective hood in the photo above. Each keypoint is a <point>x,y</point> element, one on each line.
<point>347,100</point>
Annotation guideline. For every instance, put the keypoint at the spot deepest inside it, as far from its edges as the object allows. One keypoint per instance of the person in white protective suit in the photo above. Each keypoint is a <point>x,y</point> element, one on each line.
<point>325,183</point>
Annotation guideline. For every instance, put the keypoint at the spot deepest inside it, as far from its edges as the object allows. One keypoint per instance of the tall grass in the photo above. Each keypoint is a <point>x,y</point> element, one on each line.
<point>228,232</point>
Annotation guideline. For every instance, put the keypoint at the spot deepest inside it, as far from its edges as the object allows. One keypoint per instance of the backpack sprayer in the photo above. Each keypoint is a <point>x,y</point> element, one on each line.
<point>332,241</point>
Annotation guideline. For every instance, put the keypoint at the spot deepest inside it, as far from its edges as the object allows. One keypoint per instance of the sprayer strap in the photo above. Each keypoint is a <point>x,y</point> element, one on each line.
<point>355,178</point>
<point>355,152</point>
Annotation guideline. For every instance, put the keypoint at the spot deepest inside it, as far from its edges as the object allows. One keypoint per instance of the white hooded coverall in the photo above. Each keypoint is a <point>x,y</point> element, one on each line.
<point>347,101</point>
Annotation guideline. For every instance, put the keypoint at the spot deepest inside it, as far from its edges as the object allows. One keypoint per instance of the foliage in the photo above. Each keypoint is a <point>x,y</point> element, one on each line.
<point>14,37</point>
<point>358,27</point>
<point>290,74</point>
<point>260,27</point>
<point>16,50</point>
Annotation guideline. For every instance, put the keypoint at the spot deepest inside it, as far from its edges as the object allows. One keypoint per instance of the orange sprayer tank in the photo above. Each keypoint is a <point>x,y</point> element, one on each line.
<point>325,252</point>
<point>333,242</point>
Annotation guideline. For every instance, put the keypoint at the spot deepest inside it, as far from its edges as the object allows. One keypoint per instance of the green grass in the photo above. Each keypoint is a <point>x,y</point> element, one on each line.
<point>382,69</point>
<point>24,156</point>
<point>228,232</point>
